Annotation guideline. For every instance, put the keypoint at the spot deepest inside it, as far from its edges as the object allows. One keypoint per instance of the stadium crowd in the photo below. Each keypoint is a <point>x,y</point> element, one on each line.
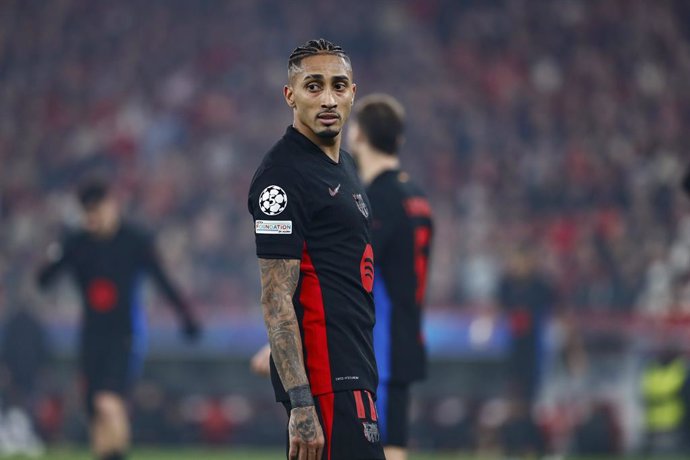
<point>555,127</point>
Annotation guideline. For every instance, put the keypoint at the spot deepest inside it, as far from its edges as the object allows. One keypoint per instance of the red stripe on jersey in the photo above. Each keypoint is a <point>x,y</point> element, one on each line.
<point>360,404</point>
<point>372,407</point>
<point>417,207</point>
<point>314,327</point>
<point>327,405</point>
<point>422,236</point>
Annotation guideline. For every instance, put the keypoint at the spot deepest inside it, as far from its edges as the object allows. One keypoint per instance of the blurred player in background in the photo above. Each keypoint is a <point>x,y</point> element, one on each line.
<point>108,259</point>
<point>686,181</point>
<point>311,219</point>
<point>401,236</point>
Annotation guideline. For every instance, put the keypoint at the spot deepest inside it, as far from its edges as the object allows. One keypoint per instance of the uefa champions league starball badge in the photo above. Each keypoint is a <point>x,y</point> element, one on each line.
<point>273,200</point>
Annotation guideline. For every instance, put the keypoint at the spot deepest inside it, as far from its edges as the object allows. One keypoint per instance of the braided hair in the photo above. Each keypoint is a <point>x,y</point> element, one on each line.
<point>313,48</point>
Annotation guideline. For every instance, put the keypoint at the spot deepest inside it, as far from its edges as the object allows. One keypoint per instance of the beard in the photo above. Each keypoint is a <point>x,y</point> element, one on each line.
<point>328,133</point>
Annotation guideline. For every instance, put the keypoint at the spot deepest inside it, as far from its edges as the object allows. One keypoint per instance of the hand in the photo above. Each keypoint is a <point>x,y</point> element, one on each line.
<point>191,330</point>
<point>261,361</point>
<point>306,436</point>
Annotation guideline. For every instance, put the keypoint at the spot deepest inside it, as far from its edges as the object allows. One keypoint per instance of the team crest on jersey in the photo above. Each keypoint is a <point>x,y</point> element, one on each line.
<point>371,432</point>
<point>273,200</point>
<point>361,204</point>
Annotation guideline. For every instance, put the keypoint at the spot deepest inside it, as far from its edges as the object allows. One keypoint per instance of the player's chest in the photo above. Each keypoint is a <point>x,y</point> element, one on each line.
<point>339,203</point>
<point>106,260</point>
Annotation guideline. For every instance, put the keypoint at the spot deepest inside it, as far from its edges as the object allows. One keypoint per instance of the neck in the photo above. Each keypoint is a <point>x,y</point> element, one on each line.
<point>109,232</point>
<point>373,163</point>
<point>330,146</point>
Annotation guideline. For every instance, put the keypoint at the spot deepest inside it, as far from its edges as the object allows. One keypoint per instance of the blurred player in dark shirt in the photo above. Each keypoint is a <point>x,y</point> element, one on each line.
<point>686,181</point>
<point>108,259</point>
<point>529,300</point>
<point>401,237</point>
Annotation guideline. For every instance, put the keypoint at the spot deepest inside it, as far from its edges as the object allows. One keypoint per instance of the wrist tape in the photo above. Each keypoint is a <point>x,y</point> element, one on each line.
<point>300,396</point>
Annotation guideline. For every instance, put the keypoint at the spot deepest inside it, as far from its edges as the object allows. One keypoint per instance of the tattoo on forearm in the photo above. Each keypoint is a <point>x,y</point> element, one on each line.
<point>279,280</point>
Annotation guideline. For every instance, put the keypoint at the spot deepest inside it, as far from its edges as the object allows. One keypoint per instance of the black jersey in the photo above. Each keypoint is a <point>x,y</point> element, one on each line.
<point>401,234</point>
<point>310,208</point>
<point>109,274</point>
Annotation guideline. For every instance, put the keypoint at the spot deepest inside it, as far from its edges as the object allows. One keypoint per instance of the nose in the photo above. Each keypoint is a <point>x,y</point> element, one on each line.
<point>328,101</point>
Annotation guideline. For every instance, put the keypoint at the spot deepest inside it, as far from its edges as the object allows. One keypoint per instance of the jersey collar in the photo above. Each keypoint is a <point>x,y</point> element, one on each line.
<point>304,142</point>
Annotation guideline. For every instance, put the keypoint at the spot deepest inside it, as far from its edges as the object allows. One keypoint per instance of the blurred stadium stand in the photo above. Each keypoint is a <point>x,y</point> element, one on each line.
<point>557,126</point>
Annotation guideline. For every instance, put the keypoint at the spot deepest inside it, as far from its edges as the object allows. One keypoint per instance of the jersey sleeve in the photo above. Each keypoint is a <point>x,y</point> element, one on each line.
<point>152,263</point>
<point>60,258</point>
<point>278,203</point>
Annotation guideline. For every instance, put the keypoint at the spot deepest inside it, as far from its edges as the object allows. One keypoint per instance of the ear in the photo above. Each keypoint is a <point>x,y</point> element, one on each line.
<point>354,91</point>
<point>289,96</point>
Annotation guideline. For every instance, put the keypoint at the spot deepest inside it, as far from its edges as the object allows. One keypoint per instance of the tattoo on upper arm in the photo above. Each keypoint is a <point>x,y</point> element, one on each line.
<point>279,278</point>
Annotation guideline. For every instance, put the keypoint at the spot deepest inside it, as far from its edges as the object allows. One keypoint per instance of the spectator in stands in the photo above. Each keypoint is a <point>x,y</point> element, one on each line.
<point>665,388</point>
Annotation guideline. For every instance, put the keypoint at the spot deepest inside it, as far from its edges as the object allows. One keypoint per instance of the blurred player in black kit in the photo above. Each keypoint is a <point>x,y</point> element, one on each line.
<point>401,235</point>
<point>108,260</point>
<point>311,224</point>
<point>686,181</point>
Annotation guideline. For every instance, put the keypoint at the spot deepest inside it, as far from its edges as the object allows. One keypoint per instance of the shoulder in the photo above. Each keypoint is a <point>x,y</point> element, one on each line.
<point>74,236</point>
<point>281,169</point>
<point>408,186</point>
<point>386,187</point>
<point>280,162</point>
<point>137,233</point>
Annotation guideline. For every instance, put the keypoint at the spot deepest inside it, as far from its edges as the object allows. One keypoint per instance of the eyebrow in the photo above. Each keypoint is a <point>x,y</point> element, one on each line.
<point>318,76</point>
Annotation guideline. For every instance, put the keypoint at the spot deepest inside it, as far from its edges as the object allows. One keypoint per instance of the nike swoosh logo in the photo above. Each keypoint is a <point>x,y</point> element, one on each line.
<point>334,191</point>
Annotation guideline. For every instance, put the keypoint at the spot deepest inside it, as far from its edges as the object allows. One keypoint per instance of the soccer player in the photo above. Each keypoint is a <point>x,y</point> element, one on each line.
<point>401,235</point>
<point>108,259</point>
<point>686,181</point>
<point>311,224</point>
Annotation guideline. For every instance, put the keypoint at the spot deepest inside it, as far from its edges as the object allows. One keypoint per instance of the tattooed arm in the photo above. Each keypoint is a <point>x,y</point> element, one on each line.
<point>279,279</point>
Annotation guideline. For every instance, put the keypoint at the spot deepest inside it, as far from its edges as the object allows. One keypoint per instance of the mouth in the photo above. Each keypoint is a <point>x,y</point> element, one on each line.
<point>328,118</point>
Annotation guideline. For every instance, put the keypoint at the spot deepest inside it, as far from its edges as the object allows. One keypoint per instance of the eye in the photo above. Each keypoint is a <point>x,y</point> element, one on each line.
<point>313,86</point>
<point>340,86</point>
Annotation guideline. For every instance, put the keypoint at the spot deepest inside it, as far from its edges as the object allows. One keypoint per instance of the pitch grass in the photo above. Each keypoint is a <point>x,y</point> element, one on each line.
<point>245,454</point>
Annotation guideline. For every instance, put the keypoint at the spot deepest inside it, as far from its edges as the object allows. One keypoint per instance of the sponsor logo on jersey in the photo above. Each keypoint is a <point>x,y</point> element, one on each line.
<point>273,227</point>
<point>371,432</point>
<point>361,204</point>
<point>334,191</point>
<point>273,200</point>
<point>366,268</point>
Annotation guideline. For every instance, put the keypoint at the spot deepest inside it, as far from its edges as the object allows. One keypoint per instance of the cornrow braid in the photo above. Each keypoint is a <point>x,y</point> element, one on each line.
<point>312,48</point>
